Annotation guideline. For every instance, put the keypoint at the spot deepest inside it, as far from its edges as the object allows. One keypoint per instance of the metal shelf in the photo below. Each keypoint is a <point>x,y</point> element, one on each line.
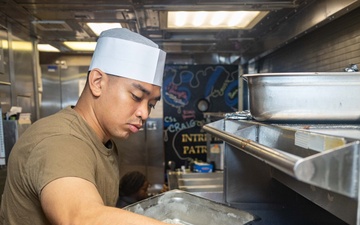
<point>334,167</point>
<point>324,156</point>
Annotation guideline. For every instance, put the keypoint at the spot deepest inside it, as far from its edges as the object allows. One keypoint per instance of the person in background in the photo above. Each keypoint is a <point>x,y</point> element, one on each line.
<point>133,188</point>
<point>64,168</point>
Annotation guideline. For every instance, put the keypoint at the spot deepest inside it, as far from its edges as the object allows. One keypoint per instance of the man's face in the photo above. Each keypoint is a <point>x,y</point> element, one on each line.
<point>125,104</point>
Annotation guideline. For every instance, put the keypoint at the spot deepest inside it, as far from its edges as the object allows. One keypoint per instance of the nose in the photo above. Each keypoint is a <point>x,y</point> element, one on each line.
<point>143,111</point>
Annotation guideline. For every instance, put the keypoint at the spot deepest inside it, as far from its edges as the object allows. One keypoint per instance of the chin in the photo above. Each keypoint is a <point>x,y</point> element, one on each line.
<point>124,135</point>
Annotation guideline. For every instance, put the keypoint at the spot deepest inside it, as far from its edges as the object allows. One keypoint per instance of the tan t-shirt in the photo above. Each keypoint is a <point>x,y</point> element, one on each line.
<point>61,145</point>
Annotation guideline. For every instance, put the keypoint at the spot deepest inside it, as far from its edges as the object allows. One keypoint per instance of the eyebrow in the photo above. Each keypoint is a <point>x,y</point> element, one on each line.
<point>144,90</point>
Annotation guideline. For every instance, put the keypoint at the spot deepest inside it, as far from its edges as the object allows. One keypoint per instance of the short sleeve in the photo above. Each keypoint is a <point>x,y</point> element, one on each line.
<point>60,156</point>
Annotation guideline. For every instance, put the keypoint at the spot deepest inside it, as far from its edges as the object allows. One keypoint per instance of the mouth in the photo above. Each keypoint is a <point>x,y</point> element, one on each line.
<point>134,128</point>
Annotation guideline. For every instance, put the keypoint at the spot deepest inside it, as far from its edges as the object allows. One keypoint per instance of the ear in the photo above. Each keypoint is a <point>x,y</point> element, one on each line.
<point>96,77</point>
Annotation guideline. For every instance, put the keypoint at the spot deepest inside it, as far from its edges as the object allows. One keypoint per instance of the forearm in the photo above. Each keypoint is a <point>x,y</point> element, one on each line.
<point>115,216</point>
<point>95,213</point>
<point>80,203</point>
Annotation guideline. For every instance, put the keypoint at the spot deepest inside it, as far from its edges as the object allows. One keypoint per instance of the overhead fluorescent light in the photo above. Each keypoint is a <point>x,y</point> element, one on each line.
<point>97,28</point>
<point>47,48</point>
<point>17,45</point>
<point>80,45</point>
<point>213,19</point>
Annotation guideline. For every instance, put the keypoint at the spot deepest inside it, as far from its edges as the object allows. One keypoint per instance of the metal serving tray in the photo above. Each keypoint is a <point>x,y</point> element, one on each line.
<point>181,207</point>
<point>331,96</point>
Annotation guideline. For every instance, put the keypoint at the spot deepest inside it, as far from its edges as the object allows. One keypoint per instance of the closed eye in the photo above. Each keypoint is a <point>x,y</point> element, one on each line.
<point>152,106</point>
<point>136,98</point>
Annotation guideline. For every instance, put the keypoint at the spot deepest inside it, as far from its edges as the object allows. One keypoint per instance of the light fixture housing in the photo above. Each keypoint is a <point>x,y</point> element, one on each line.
<point>214,19</point>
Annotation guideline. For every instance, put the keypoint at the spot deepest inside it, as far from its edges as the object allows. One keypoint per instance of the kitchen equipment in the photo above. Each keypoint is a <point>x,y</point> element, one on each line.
<point>180,207</point>
<point>267,165</point>
<point>196,182</point>
<point>330,96</point>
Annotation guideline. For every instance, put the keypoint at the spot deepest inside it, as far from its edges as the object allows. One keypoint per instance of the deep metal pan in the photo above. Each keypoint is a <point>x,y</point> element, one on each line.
<point>181,207</point>
<point>317,96</point>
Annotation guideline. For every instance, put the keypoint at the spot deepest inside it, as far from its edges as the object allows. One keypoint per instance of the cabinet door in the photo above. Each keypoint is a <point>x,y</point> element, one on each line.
<point>51,94</point>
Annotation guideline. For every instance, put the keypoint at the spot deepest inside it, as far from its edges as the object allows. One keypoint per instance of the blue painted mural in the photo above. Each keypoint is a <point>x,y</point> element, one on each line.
<point>188,92</point>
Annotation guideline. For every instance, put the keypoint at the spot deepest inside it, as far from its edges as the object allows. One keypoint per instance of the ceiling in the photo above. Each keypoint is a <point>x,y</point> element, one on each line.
<point>55,21</point>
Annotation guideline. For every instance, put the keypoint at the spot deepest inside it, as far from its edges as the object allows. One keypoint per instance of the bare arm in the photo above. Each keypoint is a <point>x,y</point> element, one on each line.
<point>72,200</point>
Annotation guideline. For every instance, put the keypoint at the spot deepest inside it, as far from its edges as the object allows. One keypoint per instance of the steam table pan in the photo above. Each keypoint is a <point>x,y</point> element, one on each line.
<point>181,207</point>
<point>315,96</point>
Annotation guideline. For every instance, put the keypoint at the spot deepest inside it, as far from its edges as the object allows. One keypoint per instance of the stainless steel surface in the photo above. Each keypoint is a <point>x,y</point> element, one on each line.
<point>51,94</point>
<point>332,96</point>
<point>215,152</point>
<point>196,182</point>
<point>16,80</point>
<point>185,208</point>
<point>319,12</point>
<point>17,73</point>
<point>73,79</point>
<point>21,70</point>
<point>61,87</point>
<point>5,97</point>
<point>4,54</point>
<point>277,146</point>
<point>328,177</point>
<point>337,130</point>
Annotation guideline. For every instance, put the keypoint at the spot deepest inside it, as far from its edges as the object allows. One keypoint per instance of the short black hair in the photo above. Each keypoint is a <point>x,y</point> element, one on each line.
<point>131,183</point>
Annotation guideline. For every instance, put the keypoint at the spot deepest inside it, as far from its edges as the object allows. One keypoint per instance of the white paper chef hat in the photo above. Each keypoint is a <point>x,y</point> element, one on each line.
<point>124,53</point>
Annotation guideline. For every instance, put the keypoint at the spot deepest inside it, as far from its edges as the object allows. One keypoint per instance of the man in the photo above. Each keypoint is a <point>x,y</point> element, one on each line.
<point>64,168</point>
